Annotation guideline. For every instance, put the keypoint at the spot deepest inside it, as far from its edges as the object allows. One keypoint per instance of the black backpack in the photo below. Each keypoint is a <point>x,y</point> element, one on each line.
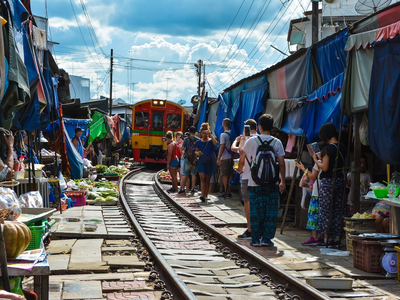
<point>234,155</point>
<point>191,155</point>
<point>265,168</point>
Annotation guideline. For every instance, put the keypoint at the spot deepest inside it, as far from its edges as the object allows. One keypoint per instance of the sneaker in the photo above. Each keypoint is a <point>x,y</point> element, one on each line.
<point>192,191</point>
<point>202,199</point>
<point>228,196</point>
<point>311,240</point>
<point>181,192</point>
<point>171,191</point>
<point>222,195</point>
<point>267,243</point>
<point>245,236</point>
<point>321,244</point>
<point>255,243</point>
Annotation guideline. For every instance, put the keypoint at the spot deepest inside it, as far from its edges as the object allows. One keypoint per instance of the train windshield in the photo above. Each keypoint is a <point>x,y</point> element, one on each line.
<point>142,119</point>
<point>158,120</point>
<point>174,121</point>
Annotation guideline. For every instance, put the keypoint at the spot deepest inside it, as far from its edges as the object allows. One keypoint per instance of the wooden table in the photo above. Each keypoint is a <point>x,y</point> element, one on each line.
<point>40,273</point>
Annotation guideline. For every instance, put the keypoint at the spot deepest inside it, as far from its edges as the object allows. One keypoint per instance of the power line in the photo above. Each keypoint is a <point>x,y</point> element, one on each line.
<point>226,32</point>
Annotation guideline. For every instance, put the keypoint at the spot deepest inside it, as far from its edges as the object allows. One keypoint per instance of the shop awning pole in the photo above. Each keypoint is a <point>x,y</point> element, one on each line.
<point>299,154</point>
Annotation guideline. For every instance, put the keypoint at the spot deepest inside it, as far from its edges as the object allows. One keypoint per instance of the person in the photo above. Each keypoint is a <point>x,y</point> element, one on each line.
<point>11,296</point>
<point>189,167</point>
<point>365,180</point>
<point>328,134</point>
<point>98,153</point>
<point>312,222</point>
<point>206,164</point>
<point>244,185</point>
<point>7,166</point>
<point>172,161</point>
<point>224,159</point>
<point>264,200</point>
<point>179,142</point>
<point>77,142</point>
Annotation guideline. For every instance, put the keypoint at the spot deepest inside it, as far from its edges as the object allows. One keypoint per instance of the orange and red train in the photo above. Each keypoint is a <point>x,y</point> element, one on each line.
<point>151,120</point>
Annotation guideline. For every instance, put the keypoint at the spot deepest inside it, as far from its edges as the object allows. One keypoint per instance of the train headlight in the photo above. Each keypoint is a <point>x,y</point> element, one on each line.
<point>161,102</point>
<point>155,102</point>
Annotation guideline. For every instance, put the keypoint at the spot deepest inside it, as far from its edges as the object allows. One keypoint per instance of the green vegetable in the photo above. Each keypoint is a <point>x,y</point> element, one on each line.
<point>99,199</point>
<point>111,193</point>
<point>110,198</point>
<point>92,195</point>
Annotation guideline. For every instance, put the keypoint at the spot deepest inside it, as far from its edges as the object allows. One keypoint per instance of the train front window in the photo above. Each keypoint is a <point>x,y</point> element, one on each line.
<point>158,121</point>
<point>174,121</point>
<point>141,119</point>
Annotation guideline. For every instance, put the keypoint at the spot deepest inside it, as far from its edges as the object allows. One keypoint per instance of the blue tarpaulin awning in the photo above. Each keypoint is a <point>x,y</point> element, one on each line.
<point>221,114</point>
<point>384,108</point>
<point>250,106</point>
<point>326,109</point>
<point>203,113</point>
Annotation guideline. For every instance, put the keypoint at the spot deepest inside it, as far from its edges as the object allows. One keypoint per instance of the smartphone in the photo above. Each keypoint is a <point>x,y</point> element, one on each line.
<point>247,130</point>
<point>315,148</point>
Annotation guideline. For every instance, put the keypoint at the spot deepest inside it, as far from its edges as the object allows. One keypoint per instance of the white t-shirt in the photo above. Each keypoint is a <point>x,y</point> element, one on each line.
<point>251,146</point>
<point>246,168</point>
<point>225,141</point>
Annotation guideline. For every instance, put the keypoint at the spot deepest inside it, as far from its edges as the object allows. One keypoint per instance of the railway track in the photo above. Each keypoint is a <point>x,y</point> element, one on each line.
<point>193,259</point>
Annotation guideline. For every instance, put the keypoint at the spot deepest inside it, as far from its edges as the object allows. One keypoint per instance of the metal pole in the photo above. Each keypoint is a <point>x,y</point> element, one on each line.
<point>111,82</point>
<point>3,261</point>
<point>314,21</point>
<point>299,154</point>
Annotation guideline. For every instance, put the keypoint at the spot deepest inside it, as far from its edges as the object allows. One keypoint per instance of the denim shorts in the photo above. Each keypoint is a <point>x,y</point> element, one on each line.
<point>188,168</point>
<point>174,163</point>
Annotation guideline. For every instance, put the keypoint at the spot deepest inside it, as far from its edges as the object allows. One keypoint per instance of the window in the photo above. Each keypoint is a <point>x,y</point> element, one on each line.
<point>174,121</point>
<point>85,83</point>
<point>142,119</point>
<point>158,121</point>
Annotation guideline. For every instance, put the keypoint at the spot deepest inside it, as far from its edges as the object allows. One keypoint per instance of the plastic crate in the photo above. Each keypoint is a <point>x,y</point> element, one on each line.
<point>37,234</point>
<point>397,248</point>
<point>78,201</point>
<point>365,224</point>
<point>367,255</point>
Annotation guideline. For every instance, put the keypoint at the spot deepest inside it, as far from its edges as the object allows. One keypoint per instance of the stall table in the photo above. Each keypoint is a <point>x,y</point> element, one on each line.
<point>40,273</point>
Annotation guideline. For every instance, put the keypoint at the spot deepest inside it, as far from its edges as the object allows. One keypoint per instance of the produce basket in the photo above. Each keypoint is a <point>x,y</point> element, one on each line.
<point>349,241</point>
<point>37,234</point>
<point>381,193</point>
<point>367,255</point>
<point>360,224</point>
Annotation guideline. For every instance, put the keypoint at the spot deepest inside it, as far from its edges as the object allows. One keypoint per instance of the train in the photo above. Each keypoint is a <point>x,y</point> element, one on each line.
<point>151,120</point>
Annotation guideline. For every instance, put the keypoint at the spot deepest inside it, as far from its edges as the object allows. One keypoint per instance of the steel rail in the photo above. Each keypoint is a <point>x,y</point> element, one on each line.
<point>174,284</point>
<point>278,276</point>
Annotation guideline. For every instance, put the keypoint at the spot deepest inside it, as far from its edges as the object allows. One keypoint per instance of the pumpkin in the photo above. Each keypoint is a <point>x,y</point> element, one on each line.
<point>17,237</point>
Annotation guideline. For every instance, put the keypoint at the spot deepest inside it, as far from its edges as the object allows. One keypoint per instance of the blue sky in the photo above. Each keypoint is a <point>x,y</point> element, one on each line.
<point>165,38</point>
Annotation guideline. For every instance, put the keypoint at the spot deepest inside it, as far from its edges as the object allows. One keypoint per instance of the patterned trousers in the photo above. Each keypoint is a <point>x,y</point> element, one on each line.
<point>264,211</point>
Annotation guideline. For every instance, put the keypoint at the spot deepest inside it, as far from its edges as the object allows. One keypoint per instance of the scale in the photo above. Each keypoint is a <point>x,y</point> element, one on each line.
<point>389,258</point>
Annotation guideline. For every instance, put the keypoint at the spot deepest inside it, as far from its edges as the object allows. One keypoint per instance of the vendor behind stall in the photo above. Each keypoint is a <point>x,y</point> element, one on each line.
<point>76,140</point>
<point>7,163</point>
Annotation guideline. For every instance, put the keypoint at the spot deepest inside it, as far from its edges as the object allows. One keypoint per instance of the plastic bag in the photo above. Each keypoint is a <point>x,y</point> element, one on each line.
<point>305,181</point>
<point>379,207</point>
<point>377,186</point>
<point>31,200</point>
<point>364,131</point>
<point>7,200</point>
<point>63,184</point>
<point>334,252</point>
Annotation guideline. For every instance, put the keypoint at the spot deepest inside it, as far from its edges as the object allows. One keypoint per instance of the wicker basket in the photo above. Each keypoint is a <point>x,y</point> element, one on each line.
<point>360,224</point>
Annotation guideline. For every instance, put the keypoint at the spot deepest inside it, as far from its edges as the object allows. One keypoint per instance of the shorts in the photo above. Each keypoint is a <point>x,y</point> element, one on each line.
<point>225,167</point>
<point>244,188</point>
<point>188,168</point>
<point>174,163</point>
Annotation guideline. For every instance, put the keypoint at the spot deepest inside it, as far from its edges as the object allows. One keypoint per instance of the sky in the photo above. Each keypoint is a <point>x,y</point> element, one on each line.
<point>157,42</point>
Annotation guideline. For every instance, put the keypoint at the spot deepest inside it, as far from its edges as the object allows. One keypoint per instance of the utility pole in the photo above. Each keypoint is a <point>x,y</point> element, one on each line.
<point>133,91</point>
<point>111,80</point>
<point>314,21</point>
<point>198,66</point>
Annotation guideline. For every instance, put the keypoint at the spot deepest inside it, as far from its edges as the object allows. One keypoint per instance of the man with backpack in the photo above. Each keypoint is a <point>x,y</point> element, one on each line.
<point>267,163</point>
<point>224,158</point>
<point>189,160</point>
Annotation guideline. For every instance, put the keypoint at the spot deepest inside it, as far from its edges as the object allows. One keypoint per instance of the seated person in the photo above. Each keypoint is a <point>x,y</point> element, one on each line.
<point>7,166</point>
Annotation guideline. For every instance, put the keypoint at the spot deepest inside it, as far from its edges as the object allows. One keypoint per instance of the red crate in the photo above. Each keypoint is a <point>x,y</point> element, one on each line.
<point>75,193</point>
<point>78,200</point>
<point>367,255</point>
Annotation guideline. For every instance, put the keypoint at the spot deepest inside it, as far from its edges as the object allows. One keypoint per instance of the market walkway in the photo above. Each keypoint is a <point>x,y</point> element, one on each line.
<point>298,260</point>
